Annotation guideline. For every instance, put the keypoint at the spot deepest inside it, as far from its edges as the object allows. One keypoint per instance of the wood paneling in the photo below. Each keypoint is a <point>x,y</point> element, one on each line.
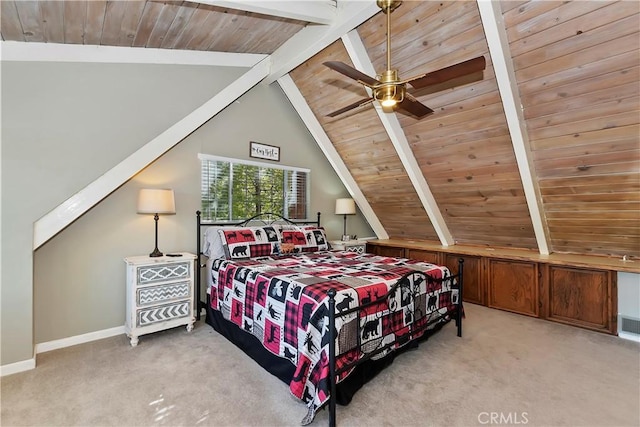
<point>426,256</point>
<point>577,70</point>
<point>513,286</point>
<point>464,149</point>
<point>577,290</point>
<point>582,297</point>
<point>386,250</point>
<point>473,283</point>
<point>169,25</point>
<point>363,145</point>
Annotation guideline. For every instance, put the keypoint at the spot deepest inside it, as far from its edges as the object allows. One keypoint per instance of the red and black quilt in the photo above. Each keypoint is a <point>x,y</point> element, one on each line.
<point>282,300</point>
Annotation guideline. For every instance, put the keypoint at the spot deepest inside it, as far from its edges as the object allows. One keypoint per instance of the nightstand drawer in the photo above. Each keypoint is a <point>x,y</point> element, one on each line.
<point>162,272</point>
<point>359,249</point>
<point>163,293</point>
<point>148,316</point>
<point>357,246</point>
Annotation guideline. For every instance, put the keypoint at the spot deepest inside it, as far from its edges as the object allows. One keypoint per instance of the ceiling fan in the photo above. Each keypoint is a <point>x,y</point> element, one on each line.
<point>388,89</point>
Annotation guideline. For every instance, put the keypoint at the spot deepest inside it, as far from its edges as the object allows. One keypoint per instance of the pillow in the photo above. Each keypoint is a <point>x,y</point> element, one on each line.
<point>306,239</point>
<point>249,242</point>
<point>212,246</point>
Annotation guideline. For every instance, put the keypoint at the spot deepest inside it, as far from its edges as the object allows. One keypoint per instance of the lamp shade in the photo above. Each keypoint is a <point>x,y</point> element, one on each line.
<point>156,201</point>
<point>345,207</point>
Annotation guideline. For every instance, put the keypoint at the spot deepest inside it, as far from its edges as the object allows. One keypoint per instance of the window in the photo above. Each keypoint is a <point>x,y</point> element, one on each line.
<point>234,189</point>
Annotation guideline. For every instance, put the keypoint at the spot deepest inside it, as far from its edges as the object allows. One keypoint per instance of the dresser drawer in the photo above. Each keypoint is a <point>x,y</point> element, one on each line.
<point>162,272</point>
<point>159,294</point>
<point>163,293</point>
<point>359,249</point>
<point>148,316</point>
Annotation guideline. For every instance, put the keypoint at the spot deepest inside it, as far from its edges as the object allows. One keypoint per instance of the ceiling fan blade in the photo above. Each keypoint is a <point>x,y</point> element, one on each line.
<point>356,104</point>
<point>442,75</point>
<point>351,72</point>
<point>415,107</point>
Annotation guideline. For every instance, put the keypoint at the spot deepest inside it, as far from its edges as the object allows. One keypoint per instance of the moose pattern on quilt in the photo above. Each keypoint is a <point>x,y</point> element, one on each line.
<point>282,300</point>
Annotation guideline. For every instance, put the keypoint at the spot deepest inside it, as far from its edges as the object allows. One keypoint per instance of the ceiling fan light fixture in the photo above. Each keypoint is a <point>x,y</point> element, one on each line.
<point>390,94</point>
<point>388,102</point>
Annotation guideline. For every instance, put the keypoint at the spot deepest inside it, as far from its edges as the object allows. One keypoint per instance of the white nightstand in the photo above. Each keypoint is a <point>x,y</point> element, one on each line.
<point>357,246</point>
<point>159,294</point>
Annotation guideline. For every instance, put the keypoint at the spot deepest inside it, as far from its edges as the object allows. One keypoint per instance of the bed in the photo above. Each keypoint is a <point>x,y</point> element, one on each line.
<point>323,321</point>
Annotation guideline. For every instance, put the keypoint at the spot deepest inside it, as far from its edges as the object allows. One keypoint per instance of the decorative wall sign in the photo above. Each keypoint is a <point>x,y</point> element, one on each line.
<point>264,151</point>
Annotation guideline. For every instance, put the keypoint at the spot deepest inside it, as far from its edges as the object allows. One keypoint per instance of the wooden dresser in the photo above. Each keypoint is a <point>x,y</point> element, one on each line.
<point>572,289</point>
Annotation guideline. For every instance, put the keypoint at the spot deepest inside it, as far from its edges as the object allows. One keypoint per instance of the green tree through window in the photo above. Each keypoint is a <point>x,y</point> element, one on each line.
<point>234,189</point>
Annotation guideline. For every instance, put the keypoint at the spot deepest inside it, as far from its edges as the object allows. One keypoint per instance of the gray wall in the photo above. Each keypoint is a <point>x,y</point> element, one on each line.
<point>83,120</point>
<point>64,125</point>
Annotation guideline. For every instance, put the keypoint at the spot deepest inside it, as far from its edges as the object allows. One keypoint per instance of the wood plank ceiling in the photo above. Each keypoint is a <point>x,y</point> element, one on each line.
<point>577,73</point>
<point>577,68</point>
<point>152,24</point>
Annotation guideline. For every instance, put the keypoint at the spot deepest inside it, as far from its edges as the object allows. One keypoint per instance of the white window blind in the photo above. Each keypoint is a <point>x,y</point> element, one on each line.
<point>234,189</point>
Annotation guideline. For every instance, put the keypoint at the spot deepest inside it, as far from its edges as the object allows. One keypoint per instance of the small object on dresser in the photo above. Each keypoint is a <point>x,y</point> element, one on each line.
<point>173,255</point>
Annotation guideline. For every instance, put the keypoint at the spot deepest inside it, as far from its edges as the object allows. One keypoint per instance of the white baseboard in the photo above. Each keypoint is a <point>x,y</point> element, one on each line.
<point>14,368</point>
<point>79,339</point>
<point>25,365</point>
<point>629,336</point>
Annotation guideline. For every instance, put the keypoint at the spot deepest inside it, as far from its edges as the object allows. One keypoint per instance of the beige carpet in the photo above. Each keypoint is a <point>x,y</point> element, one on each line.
<point>506,370</point>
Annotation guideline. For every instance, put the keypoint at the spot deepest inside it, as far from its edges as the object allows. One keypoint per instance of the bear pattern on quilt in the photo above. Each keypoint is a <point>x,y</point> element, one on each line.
<point>249,242</point>
<point>283,302</point>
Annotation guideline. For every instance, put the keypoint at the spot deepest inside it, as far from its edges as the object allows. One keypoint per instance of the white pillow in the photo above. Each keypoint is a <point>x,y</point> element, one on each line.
<point>212,246</point>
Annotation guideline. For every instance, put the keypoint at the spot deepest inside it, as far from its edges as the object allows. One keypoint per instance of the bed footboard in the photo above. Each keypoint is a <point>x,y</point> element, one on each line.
<point>420,319</point>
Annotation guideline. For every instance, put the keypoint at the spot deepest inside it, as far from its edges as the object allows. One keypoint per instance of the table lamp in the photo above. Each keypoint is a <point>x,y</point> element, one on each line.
<point>156,201</point>
<point>345,207</point>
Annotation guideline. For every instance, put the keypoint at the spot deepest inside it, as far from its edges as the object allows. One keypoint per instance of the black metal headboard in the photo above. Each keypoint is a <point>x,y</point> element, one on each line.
<point>266,218</point>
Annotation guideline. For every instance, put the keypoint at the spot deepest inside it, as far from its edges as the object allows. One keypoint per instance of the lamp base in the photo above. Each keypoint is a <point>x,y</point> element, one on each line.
<point>155,253</point>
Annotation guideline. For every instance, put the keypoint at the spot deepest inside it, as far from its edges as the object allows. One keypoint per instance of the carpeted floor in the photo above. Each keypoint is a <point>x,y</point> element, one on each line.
<point>506,370</point>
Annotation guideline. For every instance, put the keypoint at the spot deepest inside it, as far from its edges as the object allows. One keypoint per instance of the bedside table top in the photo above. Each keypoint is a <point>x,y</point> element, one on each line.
<point>146,259</point>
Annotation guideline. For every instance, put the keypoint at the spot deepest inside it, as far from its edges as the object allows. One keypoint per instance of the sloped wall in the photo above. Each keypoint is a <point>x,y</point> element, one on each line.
<point>576,65</point>
<point>63,125</point>
<point>77,284</point>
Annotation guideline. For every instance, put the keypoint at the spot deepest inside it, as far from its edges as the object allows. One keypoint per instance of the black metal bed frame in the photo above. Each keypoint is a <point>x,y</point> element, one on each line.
<point>262,218</point>
<point>457,313</point>
<point>424,326</point>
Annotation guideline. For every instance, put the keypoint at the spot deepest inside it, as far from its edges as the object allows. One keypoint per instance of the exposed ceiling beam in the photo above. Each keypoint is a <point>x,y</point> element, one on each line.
<point>71,209</point>
<point>496,34</point>
<point>360,58</point>
<point>57,52</point>
<point>314,11</point>
<point>315,128</point>
<point>313,38</point>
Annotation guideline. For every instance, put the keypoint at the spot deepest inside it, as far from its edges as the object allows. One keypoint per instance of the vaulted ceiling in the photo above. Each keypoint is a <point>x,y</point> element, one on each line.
<point>539,151</point>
